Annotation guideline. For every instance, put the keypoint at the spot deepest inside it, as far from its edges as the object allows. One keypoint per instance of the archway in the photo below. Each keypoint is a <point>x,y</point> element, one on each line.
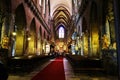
<point>32,42</point>
<point>19,28</point>
<point>61,17</point>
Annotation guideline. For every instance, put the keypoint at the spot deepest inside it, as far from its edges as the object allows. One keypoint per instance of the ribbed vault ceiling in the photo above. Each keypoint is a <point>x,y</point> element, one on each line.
<point>60,11</point>
<point>54,4</point>
<point>61,16</point>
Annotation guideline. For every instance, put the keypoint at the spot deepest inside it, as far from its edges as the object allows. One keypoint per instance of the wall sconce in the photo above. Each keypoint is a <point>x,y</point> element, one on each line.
<point>14,33</point>
<point>29,38</point>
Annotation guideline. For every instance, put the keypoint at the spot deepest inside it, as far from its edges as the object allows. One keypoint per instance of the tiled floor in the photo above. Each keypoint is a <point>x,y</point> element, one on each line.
<point>70,74</point>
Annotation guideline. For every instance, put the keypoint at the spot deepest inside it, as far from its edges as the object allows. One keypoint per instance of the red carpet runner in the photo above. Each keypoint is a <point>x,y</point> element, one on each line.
<point>54,71</point>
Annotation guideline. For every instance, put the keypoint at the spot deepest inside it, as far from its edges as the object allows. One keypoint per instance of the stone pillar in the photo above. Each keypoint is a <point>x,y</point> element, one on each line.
<point>5,37</point>
<point>11,39</point>
<point>89,43</point>
<point>117,30</point>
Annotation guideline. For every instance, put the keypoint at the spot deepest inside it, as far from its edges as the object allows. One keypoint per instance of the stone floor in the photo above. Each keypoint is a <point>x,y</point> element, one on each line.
<point>69,73</point>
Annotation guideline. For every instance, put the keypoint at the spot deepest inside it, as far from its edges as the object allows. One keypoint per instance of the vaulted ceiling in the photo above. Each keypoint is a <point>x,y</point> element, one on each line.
<point>54,4</point>
<point>61,11</point>
<point>61,16</point>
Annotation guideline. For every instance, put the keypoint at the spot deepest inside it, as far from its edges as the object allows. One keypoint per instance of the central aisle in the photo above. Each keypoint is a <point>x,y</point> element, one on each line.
<point>54,71</point>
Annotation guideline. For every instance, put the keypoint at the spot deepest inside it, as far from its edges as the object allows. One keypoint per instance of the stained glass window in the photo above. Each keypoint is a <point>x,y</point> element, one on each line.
<point>61,32</point>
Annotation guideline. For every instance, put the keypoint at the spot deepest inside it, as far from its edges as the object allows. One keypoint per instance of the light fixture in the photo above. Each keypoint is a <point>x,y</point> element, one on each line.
<point>28,38</point>
<point>14,33</point>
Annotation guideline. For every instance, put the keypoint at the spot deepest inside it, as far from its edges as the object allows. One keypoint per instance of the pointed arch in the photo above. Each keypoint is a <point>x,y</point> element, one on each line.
<point>61,24</point>
<point>33,36</point>
<point>59,9</point>
<point>20,16</point>
<point>61,32</point>
<point>61,16</point>
<point>61,13</point>
<point>18,46</point>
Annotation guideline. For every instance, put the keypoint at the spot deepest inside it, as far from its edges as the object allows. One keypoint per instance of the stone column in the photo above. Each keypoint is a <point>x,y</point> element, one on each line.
<point>11,39</point>
<point>117,30</point>
<point>5,35</point>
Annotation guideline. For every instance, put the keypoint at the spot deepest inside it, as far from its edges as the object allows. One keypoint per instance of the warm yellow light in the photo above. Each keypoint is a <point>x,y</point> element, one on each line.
<point>30,56</point>
<point>64,47</point>
<point>14,33</point>
<point>114,45</point>
<point>28,38</point>
<point>76,48</point>
<point>105,41</point>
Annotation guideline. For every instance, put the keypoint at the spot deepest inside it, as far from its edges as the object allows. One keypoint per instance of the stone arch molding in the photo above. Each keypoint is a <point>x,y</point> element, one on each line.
<point>18,45</point>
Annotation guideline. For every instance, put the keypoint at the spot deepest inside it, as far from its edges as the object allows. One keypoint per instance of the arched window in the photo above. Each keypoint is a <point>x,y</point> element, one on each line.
<point>44,6</point>
<point>40,2</point>
<point>61,32</point>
